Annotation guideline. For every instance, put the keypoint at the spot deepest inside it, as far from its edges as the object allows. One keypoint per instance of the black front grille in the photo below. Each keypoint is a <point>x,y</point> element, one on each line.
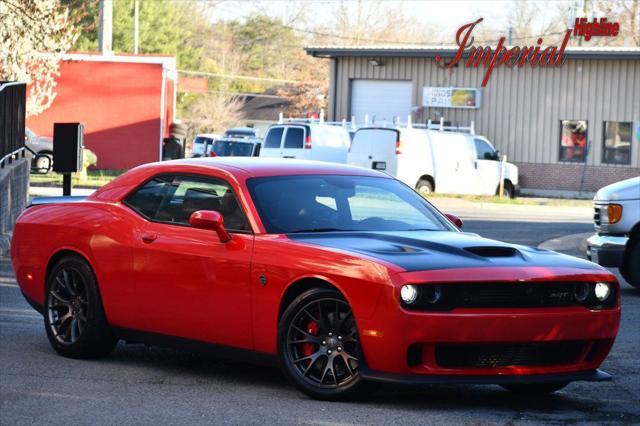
<point>596,216</point>
<point>509,295</point>
<point>507,354</point>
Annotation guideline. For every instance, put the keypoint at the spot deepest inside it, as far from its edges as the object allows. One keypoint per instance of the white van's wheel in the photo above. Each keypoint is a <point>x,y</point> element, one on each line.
<point>507,191</point>
<point>424,187</point>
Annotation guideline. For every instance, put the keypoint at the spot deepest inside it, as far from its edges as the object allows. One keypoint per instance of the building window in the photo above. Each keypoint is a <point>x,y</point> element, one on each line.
<point>617,143</point>
<point>573,140</point>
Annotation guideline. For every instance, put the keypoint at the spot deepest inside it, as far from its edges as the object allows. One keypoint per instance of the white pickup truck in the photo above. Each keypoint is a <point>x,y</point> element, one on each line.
<point>616,242</point>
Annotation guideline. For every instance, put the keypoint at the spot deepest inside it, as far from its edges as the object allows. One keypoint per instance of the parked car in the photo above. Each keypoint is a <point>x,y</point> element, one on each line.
<point>429,160</point>
<point>241,133</point>
<point>340,274</point>
<point>232,147</point>
<point>616,242</point>
<point>200,142</point>
<point>307,140</point>
<point>42,145</point>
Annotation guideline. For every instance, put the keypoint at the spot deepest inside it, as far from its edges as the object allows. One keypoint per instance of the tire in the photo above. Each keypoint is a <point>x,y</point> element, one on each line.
<point>631,270</point>
<point>310,335</point>
<point>507,190</point>
<point>73,314</point>
<point>44,166</point>
<point>424,187</point>
<point>535,388</point>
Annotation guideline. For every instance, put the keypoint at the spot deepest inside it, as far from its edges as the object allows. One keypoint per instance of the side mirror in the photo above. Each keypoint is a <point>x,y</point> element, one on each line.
<point>489,156</point>
<point>497,156</point>
<point>210,219</point>
<point>455,220</point>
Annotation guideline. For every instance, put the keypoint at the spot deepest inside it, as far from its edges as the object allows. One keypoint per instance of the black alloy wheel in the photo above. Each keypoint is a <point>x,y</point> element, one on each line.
<point>74,317</point>
<point>67,306</point>
<point>318,345</point>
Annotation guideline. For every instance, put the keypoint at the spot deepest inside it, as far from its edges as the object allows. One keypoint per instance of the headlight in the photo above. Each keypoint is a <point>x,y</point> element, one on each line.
<point>581,291</point>
<point>409,293</point>
<point>602,291</point>
<point>432,293</point>
<point>611,214</point>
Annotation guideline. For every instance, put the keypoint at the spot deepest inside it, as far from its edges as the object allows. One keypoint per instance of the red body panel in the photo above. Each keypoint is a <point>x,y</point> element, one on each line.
<point>120,104</point>
<point>187,283</point>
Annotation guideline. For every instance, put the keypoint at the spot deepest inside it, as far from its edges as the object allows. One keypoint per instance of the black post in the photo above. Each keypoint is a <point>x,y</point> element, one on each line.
<point>66,184</point>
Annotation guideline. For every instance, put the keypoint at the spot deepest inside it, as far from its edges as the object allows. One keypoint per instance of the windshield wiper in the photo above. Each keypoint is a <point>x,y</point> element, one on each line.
<point>421,229</point>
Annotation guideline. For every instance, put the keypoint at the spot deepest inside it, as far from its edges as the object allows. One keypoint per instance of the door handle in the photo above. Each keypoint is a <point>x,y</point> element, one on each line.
<point>149,237</point>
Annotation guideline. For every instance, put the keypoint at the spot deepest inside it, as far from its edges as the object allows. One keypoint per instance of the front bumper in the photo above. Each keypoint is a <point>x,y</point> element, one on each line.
<point>606,250</point>
<point>586,376</point>
<point>487,344</point>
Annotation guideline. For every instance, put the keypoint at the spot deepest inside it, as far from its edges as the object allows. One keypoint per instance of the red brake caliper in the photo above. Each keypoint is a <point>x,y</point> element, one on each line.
<point>312,328</point>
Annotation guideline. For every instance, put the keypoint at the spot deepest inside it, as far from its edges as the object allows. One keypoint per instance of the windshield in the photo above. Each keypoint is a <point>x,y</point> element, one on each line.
<point>232,149</point>
<point>289,204</point>
<point>201,140</point>
<point>239,133</point>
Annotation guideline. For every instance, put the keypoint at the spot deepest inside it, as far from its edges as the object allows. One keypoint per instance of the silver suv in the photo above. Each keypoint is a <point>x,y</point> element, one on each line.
<point>616,242</point>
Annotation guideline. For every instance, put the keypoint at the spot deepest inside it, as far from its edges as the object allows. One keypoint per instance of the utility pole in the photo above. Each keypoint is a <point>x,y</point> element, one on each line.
<point>510,38</point>
<point>105,26</point>
<point>136,7</point>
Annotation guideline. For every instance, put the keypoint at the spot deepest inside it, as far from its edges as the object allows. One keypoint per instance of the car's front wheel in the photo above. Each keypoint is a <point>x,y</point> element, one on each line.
<point>535,388</point>
<point>318,345</point>
<point>74,318</point>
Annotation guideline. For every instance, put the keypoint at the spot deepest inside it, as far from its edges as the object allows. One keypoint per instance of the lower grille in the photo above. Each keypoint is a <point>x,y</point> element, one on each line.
<point>507,354</point>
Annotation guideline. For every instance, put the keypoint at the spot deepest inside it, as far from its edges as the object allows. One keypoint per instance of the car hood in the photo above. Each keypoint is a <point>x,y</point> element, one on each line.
<point>429,250</point>
<point>624,190</point>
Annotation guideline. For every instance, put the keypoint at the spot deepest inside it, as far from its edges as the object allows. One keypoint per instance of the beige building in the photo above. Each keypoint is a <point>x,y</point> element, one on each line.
<point>567,126</point>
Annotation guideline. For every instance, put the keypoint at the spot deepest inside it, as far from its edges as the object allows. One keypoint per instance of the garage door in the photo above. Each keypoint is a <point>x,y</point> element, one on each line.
<point>382,99</point>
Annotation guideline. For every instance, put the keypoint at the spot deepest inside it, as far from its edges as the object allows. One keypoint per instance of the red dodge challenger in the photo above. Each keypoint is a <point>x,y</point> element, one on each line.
<point>340,274</point>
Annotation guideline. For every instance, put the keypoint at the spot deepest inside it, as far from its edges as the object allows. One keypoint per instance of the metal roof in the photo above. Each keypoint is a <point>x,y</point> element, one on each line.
<point>574,52</point>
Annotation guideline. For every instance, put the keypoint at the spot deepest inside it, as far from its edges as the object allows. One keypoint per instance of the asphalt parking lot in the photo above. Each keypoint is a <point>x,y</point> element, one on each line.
<point>140,385</point>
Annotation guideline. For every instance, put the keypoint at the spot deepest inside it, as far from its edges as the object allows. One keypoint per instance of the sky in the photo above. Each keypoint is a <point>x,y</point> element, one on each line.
<point>445,13</point>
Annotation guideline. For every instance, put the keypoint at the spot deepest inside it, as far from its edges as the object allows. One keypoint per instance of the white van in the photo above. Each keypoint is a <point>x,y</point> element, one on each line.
<point>429,160</point>
<point>200,142</point>
<point>306,140</point>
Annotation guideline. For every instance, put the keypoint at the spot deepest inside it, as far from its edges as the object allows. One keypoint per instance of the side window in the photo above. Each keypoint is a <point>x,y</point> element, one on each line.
<point>573,140</point>
<point>484,150</point>
<point>147,199</point>
<point>184,195</point>
<point>294,138</point>
<point>617,139</point>
<point>274,136</point>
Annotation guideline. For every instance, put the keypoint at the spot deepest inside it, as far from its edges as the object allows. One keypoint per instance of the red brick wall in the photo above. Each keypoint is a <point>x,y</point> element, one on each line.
<point>567,176</point>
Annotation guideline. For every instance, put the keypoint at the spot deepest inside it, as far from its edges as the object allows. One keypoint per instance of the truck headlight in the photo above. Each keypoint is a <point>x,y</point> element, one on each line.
<point>409,293</point>
<point>602,291</point>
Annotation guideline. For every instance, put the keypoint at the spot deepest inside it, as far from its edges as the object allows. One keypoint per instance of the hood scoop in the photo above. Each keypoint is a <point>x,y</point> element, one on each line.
<point>487,251</point>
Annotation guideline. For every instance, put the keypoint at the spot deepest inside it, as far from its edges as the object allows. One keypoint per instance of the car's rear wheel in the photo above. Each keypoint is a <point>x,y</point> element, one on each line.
<point>44,162</point>
<point>318,345</point>
<point>424,187</point>
<point>535,388</point>
<point>74,317</point>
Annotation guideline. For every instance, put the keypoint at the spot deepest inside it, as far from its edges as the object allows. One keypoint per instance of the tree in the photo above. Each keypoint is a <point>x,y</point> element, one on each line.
<point>213,113</point>
<point>34,34</point>
<point>165,27</point>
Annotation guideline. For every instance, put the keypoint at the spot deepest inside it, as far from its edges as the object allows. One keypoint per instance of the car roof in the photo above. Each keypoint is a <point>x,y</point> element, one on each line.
<point>263,166</point>
<point>237,168</point>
